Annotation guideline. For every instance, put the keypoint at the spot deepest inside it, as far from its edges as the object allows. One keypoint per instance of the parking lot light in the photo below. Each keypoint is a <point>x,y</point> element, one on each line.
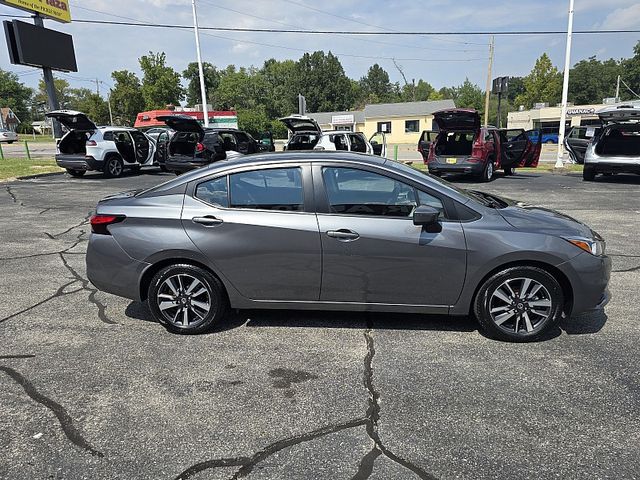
<point>565,89</point>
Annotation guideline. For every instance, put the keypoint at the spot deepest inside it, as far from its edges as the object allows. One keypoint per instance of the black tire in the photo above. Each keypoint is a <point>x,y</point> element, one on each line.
<point>76,173</point>
<point>509,171</point>
<point>488,171</point>
<point>588,174</point>
<point>435,174</point>
<point>136,168</point>
<point>113,167</point>
<point>213,294</point>
<point>178,173</point>
<point>163,168</point>
<point>528,321</point>
<point>10,142</point>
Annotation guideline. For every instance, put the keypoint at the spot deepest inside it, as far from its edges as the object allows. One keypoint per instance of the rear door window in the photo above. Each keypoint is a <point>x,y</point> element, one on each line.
<point>358,143</point>
<point>269,189</point>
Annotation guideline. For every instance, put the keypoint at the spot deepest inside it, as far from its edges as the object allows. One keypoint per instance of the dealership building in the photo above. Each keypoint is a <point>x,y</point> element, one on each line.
<point>402,122</point>
<point>548,118</point>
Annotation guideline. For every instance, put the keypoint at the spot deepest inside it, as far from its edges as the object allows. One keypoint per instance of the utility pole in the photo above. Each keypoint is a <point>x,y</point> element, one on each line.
<point>109,103</point>
<point>565,89</point>
<point>203,90</point>
<point>618,90</point>
<point>97,86</point>
<point>49,85</point>
<point>489,73</point>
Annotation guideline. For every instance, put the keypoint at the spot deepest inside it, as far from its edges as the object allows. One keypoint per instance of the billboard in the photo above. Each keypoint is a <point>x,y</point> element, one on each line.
<point>39,47</point>
<point>53,9</point>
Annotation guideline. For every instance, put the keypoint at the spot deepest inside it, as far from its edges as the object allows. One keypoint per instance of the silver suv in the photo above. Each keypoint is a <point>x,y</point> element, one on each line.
<point>616,148</point>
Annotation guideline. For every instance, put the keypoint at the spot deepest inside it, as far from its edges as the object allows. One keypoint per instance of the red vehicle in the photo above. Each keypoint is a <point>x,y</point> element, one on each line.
<point>463,146</point>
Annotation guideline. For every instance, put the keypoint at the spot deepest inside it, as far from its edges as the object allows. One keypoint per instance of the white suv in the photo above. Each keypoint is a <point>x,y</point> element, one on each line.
<point>107,149</point>
<point>305,134</point>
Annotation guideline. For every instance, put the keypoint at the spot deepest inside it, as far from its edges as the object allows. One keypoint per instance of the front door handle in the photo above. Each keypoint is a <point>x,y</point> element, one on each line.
<point>343,235</point>
<point>207,221</point>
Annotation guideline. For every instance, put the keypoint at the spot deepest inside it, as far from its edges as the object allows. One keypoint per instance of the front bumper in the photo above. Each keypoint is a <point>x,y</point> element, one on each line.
<point>589,276</point>
<point>111,270</point>
<point>78,162</point>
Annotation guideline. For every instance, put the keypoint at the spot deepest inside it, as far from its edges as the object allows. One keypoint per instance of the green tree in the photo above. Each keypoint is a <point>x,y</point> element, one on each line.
<point>543,84</point>
<point>281,84</point>
<point>91,104</point>
<point>239,89</point>
<point>192,76</point>
<point>376,87</point>
<point>591,80</point>
<point>254,120</point>
<point>15,95</point>
<point>63,93</point>
<point>160,83</point>
<point>321,79</point>
<point>631,74</point>
<point>126,97</point>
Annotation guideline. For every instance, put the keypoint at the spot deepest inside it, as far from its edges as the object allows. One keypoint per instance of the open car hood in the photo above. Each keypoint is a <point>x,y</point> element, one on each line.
<point>457,119</point>
<point>619,114</point>
<point>182,123</point>
<point>301,123</point>
<point>72,120</point>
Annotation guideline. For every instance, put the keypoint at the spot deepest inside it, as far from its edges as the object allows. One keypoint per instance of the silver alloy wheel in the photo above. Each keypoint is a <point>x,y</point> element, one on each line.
<point>115,167</point>
<point>520,305</point>
<point>489,170</point>
<point>184,300</point>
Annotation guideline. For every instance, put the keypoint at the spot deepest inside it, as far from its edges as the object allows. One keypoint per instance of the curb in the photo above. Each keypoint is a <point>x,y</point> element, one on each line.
<point>36,175</point>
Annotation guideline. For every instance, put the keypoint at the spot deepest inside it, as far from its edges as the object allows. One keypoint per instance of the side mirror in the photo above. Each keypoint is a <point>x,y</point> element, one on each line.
<point>425,215</point>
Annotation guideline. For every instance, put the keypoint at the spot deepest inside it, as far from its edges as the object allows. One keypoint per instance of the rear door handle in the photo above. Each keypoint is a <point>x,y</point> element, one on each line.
<point>207,221</point>
<point>343,235</point>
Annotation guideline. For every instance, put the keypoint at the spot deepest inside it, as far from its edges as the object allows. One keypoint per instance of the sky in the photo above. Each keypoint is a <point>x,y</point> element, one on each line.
<point>442,61</point>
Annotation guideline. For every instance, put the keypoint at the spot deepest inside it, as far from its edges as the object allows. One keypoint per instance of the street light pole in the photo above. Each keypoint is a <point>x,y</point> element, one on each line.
<point>203,90</point>
<point>565,89</point>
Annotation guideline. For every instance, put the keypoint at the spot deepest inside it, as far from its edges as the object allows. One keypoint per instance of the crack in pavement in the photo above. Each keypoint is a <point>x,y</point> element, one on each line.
<point>632,269</point>
<point>84,222</point>
<point>58,293</point>
<point>66,422</point>
<point>5,357</point>
<point>13,195</point>
<point>370,422</point>
<point>248,463</point>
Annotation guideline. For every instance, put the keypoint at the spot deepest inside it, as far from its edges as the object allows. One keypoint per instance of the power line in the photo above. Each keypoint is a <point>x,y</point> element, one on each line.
<point>346,32</point>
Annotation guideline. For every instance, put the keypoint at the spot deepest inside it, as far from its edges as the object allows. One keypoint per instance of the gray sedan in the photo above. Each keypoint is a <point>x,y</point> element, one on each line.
<point>342,231</point>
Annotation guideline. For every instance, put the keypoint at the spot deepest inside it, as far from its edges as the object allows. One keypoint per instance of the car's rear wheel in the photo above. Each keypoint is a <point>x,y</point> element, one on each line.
<point>163,168</point>
<point>489,170</point>
<point>519,304</point>
<point>588,174</point>
<point>509,170</point>
<point>186,299</point>
<point>113,167</point>
<point>76,173</point>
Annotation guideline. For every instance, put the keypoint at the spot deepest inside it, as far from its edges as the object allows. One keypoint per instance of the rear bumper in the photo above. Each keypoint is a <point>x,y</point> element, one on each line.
<point>184,166</point>
<point>111,270</point>
<point>78,162</point>
<point>461,166</point>
<point>611,167</point>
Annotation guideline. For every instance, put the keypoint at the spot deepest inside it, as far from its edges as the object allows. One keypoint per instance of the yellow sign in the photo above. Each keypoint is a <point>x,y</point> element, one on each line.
<point>53,9</point>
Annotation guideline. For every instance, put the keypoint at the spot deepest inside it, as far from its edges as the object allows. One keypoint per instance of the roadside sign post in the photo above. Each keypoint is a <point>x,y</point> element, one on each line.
<point>50,86</point>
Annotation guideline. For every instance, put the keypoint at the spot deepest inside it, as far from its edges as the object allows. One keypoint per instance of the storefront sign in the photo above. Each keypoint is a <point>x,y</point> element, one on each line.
<point>54,9</point>
<point>342,119</point>
<point>581,111</point>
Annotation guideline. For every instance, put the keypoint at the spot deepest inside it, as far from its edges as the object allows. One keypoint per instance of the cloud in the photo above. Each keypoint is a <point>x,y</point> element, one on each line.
<point>623,18</point>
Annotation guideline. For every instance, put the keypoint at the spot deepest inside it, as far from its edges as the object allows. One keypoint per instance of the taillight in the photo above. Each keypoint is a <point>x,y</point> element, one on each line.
<point>199,147</point>
<point>477,151</point>
<point>91,143</point>
<point>99,223</point>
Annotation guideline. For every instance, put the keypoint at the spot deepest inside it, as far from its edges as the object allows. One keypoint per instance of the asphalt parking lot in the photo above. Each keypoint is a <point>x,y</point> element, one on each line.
<point>90,388</point>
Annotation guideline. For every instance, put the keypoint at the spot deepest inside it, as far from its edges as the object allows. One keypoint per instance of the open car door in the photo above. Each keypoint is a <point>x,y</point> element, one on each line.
<point>531,154</point>
<point>144,147</point>
<point>378,142</point>
<point>514,144</point>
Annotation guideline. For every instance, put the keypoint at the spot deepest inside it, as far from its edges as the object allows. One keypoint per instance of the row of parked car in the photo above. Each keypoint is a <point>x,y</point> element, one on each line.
<point>461,145</point>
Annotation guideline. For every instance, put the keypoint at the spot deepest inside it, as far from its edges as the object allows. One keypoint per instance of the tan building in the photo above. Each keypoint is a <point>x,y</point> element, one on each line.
<point>402,122</point>
<point>548,118</point>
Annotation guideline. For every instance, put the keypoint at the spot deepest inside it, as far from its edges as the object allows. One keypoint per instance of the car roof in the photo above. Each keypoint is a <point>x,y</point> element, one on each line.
<point>110,128</point>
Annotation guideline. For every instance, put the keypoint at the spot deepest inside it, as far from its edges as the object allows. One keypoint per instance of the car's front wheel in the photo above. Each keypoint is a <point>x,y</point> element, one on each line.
<point>186,299</point>
<point>519,304</point>
<point>113,167</point>
<point>76,173</point>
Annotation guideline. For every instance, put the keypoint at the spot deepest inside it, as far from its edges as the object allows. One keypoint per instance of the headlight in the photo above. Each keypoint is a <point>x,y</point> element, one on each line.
<point>594,247</point>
